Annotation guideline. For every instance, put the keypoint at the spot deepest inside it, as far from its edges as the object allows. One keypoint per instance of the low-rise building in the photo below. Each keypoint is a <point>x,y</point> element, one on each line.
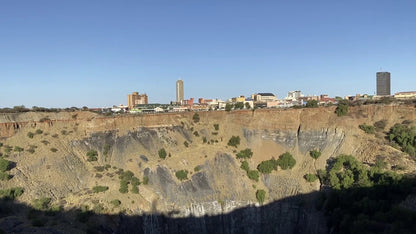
<point>119,108</point>
<point>324,100</point>
<point>263,97</point>
<point>188,102</point>
<point>272,104</point>
<point>405,95</point>
<point>238,99</point>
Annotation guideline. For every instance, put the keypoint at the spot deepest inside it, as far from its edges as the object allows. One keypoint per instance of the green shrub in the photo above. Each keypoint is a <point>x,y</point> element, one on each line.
<point>347,171</point>
<point>135,189</point>
<point>106,149</point>
<point>135,181</point>
<point>380,125</point>
<point>234,141</point>
<point>54,150</point>
<point>98,208</point>
<point>4,176</point>
<point>253,175</point>
<point>410,150</point>
<point>315,154</point>
<point>286,161</point>
<point>92,155</point>
<point>204,140</point>
<point>30,134</point>
<point>7,149</point>
<point>380,163</point>
<point>405,137</point>
<point>322,175</point>
<point>399,167</point>
<point>126,175</point>
<point>312,103</point>
<point>197,168</point>
<point>196,134</point>
<point>367,128</point>
<point>342,108</point>
<point>123,186</point>
<point>41,203</point>
<point>11,193</point>
<point>247,153</point>
<point>99,188</point>
<point>196,118</point>
<point>115,202</point>
<point>4,165</point>
<point>1,144</point>
<point>38,131</point>
<point>374,204</point>
<point>18,149</point>
<point>55,135</point>
<point>260,195</point>
<point>145,180</point>
<point>266,167</point>
<point>182,175</point>
<point>31,150</point>
<point>186,144</point>
<point>228,107</point>
<point>311,177</point>
<point>245,166</point>
<point>216,127</point>
<point>162,153</point>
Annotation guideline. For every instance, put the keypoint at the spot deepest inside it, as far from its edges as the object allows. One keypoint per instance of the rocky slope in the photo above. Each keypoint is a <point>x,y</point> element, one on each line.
<point>216,184</point>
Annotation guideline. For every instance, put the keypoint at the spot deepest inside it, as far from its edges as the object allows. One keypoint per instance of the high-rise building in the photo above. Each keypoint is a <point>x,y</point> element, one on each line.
<point>294,95</point>
<point>179,91</point>
<point>383,83</point>
<point>135,98</point>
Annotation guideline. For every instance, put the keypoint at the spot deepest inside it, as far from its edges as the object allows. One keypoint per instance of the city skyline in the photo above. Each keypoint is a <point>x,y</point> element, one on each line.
<point>51,58</point>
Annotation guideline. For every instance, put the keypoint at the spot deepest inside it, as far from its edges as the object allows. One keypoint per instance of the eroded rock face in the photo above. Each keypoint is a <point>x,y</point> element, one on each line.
<point>281,186</point>
<point>304,140</point>
<point>218,180</point>
<point>319,139</point>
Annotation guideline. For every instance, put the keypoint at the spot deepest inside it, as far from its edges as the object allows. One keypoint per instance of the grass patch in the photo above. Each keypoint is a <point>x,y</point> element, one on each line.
<point>261,196</point>
<point>92,155</point>
<point>99,189</point>
<point>310,177</point>
<point>182,175</point>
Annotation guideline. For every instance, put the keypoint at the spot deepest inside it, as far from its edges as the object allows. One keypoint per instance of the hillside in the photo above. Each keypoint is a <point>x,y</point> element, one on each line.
<point>57,159</point>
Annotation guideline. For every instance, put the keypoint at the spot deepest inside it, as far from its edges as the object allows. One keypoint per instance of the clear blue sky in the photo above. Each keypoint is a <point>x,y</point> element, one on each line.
<point>93,53</point>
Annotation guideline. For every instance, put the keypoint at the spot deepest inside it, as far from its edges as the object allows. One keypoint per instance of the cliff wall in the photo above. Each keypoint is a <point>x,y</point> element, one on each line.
<point>54,162</point>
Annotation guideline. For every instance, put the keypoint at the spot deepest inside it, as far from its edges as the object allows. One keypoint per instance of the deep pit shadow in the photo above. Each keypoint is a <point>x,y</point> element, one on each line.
<point>378,209</point>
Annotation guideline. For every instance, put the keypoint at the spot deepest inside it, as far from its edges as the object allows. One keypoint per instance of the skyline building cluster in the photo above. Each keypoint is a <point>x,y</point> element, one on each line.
<point>269,100</point>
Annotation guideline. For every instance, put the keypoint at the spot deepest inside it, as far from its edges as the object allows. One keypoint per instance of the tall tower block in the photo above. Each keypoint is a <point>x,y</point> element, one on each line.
<point>383,83</point>
<point>179,91</point>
